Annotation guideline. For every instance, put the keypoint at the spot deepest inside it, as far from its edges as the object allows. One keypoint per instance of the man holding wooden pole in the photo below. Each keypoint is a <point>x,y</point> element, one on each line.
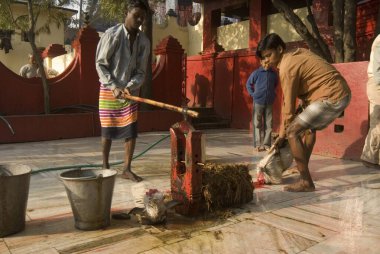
<point>121,62</point>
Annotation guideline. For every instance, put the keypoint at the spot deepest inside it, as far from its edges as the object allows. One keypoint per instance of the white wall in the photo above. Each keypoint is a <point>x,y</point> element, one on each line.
<point>276,23</point>
<point>57,65</point>
<point>180,33</point>
<point>234,36</point>
<point>190,37</point>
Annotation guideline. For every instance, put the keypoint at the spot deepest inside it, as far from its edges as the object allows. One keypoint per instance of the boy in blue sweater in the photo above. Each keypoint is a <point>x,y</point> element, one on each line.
<point>261,85</point>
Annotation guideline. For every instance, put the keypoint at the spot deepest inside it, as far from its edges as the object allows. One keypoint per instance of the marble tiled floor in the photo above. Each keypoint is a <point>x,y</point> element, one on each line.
<point>342,216</point>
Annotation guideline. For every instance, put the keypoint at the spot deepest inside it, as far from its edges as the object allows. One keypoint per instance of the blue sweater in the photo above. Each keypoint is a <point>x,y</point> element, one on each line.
<point>261,85</point>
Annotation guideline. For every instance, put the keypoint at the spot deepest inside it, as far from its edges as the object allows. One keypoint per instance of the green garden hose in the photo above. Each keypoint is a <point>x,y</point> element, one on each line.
<point>98,165</point>
<point>8,124</point>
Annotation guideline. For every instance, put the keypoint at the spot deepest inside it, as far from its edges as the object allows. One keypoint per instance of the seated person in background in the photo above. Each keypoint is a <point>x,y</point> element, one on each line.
<point>30,70</point>
<point>51,73</point>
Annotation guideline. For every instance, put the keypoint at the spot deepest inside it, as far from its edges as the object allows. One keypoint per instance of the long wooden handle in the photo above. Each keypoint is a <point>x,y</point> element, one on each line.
<point>191,113</point>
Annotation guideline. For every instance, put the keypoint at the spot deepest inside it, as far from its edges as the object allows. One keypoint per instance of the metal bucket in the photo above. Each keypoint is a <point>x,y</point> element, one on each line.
<point>14,191</point>
<point>90,195</point>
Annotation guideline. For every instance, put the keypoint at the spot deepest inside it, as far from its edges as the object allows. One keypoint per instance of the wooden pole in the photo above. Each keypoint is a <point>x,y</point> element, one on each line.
<point>185,111</point>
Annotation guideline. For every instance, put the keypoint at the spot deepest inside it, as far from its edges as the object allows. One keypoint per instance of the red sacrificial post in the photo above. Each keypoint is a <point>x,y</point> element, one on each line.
<point>186,169</point>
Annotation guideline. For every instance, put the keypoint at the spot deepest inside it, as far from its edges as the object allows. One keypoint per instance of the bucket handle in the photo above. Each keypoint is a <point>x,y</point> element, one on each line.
<point>5,172</point>
<point>97,178</point>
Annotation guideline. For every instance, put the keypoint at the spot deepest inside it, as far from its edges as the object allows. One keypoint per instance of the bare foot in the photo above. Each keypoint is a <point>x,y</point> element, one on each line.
<point>131,176</point>
<point>260,149</point>
<point>300,186</point>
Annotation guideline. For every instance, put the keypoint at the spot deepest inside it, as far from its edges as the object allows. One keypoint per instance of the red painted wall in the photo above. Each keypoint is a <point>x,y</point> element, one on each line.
<point>366,27</point>
<point>228,93</point>
<point>13,103</point>
<point>349,143</point>
<point>232,101</point>
<point>61,126</point>
<point>168,73</point>
<point>245,63</point>
<point>200,82</point>
<point>21,99</point>
<point>22,103</point>
<point>78,84</point>
<point>49,127</point>
<point>223,100</point>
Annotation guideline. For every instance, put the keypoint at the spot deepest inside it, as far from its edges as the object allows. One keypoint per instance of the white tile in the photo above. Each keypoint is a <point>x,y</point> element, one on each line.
<point>347,243</point>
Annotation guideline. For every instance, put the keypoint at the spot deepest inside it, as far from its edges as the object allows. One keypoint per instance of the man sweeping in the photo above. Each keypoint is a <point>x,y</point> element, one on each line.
<point>322,90</point>
<point>121,62</point>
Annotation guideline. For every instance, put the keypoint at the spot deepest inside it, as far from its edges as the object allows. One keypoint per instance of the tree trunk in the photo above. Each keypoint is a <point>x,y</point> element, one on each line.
<point>91,8</point>
<point>37,55</point>
<point>45,84</point>
<point>338,30</point>
<point>301,29</point>
<point>315,31</point>
<point>349,38</point>
<point>80,14</point>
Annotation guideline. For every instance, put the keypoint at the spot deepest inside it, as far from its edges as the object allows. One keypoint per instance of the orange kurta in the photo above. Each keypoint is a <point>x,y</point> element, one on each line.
<point>310,78</point>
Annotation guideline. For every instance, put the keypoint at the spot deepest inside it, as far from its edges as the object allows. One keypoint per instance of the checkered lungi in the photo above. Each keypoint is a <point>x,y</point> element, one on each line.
<point>318,115</point>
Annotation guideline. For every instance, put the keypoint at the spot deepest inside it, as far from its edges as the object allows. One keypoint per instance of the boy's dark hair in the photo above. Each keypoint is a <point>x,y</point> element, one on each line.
<point>136,4</point>
<point>270,41</point>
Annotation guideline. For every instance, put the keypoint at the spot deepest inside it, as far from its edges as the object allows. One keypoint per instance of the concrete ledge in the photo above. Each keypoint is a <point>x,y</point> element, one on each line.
<point>29,128</point>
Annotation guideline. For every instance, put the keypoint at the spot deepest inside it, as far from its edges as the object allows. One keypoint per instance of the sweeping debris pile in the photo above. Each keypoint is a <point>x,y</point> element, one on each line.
<point>226,185</point>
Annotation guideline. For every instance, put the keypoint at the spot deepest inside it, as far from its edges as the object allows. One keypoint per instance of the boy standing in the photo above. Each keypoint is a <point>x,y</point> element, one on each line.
<point>321,88</point>
<point>261,85</point>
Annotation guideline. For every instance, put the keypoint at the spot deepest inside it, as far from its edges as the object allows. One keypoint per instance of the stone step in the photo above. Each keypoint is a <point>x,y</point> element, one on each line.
<point>207,118</point>
<point>204,111</point>
<point>209,125</point>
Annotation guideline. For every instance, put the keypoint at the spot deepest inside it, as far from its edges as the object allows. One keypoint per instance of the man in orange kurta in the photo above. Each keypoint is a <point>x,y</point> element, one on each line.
<point>324,94</point>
